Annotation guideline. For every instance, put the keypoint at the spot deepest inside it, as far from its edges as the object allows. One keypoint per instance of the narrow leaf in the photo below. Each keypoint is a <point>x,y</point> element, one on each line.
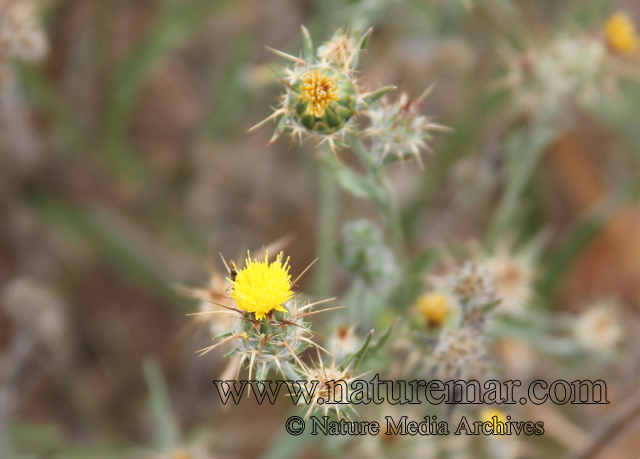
<point>357,356</point>
<point>372,96</point>
<point>166,429</point>
<point>225,333</point>
<point>307,47</point>
<point>375,347</point>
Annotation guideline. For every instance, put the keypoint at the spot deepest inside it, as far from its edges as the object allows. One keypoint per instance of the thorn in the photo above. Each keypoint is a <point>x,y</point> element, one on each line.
<point>286,56</point>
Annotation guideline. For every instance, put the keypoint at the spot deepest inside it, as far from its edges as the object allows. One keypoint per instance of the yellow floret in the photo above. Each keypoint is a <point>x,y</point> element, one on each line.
<point>319,90</point>
<point>620,33</point>
<point>433,308</point>
<point>261,287</point>
<point>487,415</point>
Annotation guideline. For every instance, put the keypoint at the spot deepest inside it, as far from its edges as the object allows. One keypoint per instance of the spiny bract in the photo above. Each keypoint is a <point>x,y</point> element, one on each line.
<point>322,95</point>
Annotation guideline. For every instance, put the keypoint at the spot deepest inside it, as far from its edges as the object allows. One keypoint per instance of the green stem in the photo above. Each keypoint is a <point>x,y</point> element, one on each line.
<point>384,199</point>
<point>327,221</point>
<point>389,208</point>
<point>524,149</point>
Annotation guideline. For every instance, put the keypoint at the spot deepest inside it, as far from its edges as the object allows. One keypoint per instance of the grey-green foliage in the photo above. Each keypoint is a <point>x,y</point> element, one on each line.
<point>365,255</point>
<point>374,268</point>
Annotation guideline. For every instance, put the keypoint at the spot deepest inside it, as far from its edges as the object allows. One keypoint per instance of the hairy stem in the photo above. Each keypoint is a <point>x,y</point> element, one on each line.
<point>327,220</point>
<point>384,199</point>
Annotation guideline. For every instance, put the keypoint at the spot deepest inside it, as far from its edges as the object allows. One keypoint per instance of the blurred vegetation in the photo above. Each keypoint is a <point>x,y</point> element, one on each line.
<point>138,170</point>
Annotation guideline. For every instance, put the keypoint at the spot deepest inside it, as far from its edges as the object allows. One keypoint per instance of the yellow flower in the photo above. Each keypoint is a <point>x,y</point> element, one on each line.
<point>319,90</point>
<point>487,415</point>
<point>261,287</point>
<point>495,416</point>
<point>620,33</point>
<point>434,308</point>
<point>181,454</point>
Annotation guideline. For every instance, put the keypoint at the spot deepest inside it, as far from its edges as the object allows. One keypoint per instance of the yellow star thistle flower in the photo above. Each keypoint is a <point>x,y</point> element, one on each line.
<point>319,90</point>
<point>433,308</point>
<point>487,414</point>
<point>620,33</point>
<point>494,416</point>
<point>261,287</point>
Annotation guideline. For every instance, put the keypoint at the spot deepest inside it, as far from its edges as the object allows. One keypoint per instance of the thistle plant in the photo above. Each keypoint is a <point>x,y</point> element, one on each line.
<point>400,129</point>
<point>579,68</point>
<point>456,315</point>
<point>322,93</point>
<point>332,383</point>
<point>453,321</point>
<point>89,167</point>
<point>271,343</point>
<point>373,267</point>
<point>322,99</point>
<point>461,353</point>
<point>269,330</point>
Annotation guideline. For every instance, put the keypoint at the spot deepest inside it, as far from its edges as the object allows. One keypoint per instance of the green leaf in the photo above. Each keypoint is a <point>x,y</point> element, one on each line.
<point>354,183</point>
<point>166,429</point>
<point>559,262</point>
<point>365,39</point>
<point>287,446</point>
<point>489,306</point>
<point>231,94</point>
<point>225,333</point>
<point>372,96</point>
<point>175,24</point>
<point>375,347</point>
<point>423,262</point>
<point>84,225</point>
<point>307,47</point>
<point>280,128</point>
<point>357,356</point>
<point>523,149</point>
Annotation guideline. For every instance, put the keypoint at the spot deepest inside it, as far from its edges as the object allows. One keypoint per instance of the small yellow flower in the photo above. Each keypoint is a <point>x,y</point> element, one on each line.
<point>434,308</point>
<point>620,33</point>
<point>487,415</point>
<point>319,90</point>
<point>494,414</point>
<point>261,287</point>
<point>180,454</point>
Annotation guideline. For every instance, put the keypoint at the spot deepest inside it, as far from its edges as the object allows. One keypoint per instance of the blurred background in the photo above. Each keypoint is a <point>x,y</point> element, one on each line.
<point>126,167</point>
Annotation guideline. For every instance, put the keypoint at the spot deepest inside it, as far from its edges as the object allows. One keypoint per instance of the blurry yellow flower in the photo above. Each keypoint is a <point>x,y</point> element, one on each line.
<point>487,415</point>
<point>620,33</point>
<point>497,418</point>
<point>319,91</point>
<point>181,454</point>
<point>434,308</point>
<point>261,287</point>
